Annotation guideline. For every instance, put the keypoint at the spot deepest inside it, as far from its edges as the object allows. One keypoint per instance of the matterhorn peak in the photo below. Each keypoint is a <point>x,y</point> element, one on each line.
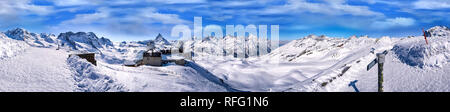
<point>160,39</point>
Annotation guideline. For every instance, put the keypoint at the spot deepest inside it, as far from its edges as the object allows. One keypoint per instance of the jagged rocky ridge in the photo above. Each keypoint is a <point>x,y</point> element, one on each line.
<point>83,41</point>
<point>33,39</point>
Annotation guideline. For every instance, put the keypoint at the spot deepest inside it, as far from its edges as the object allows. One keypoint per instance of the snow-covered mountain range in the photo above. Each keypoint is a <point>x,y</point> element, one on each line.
<point>228,45</point>
<point>33,39</point>
<point>83,41</point>
<point>311,63</point>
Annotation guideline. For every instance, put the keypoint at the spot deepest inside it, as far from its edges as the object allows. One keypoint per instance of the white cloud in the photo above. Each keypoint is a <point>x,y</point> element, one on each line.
<point>75,2</point>
<point>300,27</point>
<point>14,12</point>
<point>151,15</point>
<point>121,2</point>
<point>329,7</point>
<point>100,16</point>
<point>388,2</point>
<point>220,18</point>
<point>432,4</point>
<point>146,15</point>
<point>178,1</point>
<point>92,2</point>
<point>22,7</point>
<point>123,21</point>
<point>236,3</point>
<point>393,22</point>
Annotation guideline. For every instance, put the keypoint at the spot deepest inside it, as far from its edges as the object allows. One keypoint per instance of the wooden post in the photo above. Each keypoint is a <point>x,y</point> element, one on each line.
<point>425,35</point>
<point>380,57</point>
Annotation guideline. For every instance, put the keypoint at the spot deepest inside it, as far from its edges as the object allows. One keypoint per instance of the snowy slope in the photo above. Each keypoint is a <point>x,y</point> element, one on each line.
<point>415,66</point>
<point>123,52</point>
<point>439,31</point>
<point>355,54</point>
<point>36,69</point>
<point>411,65</point>
<point>170,78</point>
<point>10,47</point>
<point>415,51</point>
<point>320,63</point>
<point>89,78</point>
<point>312,63</point>
<point>304,64</point>
<point>401,77</point>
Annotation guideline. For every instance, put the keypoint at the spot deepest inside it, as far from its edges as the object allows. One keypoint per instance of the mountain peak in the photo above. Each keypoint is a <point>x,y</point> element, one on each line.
<point>18,34</point>
<point>439,31</point>
<point>311,36</point>
<point>439,27</point>
<point>79,36</point>
<point>159,35</point>
<point>364,36</point>
<point>33,39</point>
<point>89,40</point>
<point>17,31</point>
<point>161,39</point>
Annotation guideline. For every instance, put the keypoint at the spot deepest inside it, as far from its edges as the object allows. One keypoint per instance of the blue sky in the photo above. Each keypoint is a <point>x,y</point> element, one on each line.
<point>144,19</point>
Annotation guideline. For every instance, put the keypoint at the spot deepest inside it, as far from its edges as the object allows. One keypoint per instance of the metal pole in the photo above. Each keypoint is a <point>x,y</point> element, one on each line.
<point>380,57</point>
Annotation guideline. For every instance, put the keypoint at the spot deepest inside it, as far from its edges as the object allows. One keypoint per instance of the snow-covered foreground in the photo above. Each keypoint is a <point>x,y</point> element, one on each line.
<point>36,69</point>
<point>304,72</point>
<point>169,78</point>
<point>10,47</point>
<point>412,65</point>
<point>400,77</point>
<point>331,64</point>
<point>47,69</point>
<point>30,62</point>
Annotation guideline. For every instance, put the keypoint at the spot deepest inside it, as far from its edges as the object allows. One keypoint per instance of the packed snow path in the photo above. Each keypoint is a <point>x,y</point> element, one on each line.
<point>36,69</point>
